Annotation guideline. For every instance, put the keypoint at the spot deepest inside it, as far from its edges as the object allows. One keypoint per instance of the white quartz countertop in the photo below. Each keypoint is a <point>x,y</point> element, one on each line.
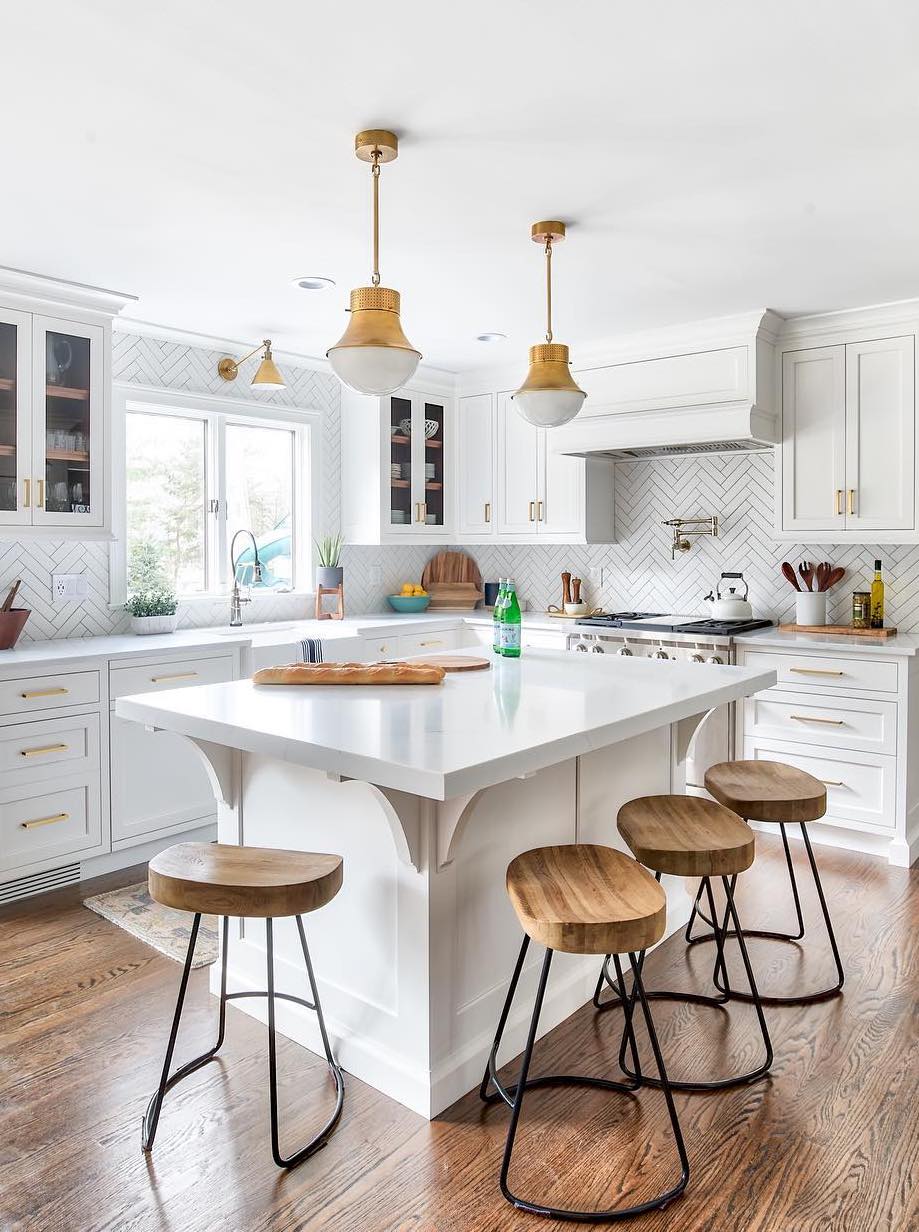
<point>475,730</point>
<point>805,643</point>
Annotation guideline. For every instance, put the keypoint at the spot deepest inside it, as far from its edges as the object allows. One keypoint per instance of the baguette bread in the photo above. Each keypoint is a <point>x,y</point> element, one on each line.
<point>351,673</point>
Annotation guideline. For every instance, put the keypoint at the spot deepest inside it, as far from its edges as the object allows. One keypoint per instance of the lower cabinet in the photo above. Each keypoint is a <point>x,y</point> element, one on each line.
<point>42,822</point>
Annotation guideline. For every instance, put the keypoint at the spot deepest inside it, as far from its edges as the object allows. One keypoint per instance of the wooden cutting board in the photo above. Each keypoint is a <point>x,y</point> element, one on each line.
<point>451,567</point>
<point>839,630</point>
<point>453,663</point>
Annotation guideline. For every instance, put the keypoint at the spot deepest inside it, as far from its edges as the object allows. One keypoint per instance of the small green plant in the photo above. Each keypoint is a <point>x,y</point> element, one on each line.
<point>148,587</point>
<point>328,550</point>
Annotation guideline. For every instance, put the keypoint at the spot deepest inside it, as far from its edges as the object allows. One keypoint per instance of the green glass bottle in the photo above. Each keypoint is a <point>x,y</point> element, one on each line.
<point>877,598</point>
<point>497,617</point>
<point>511,624</point>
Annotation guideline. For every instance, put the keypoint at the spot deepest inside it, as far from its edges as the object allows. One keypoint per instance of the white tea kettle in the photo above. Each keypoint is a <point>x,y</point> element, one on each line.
<point>730,606</point>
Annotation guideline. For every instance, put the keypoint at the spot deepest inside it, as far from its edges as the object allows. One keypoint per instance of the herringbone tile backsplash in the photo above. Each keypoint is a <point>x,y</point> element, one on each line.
<point>638,571</point>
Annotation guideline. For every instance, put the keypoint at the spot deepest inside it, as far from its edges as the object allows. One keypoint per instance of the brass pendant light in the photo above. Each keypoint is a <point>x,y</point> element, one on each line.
<point>373,356</point>
<point>549,396</point>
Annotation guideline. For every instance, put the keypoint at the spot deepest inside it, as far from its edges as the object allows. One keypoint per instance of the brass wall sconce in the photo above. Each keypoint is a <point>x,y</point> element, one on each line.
<point>704,526</point>
<point>266,376</point>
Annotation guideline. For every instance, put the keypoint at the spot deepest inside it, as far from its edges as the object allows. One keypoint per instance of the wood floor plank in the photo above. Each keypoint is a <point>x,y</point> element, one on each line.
<point>829,1143</point>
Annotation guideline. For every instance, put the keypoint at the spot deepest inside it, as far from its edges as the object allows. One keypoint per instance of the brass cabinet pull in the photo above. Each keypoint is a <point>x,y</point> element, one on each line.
<point>539,517</point>
<point>805,718</point>
<point>33,693</point>
<point>815,671</point>
<point>48,748</point>
<point>174,676</point>
<point>488,511</point>
<point>40,503</point>
<point>532,511</point>
<point>43,821</point>
<point>436,641</point>
<point>27,493</point>
<point>850,502</point>
<point>418,517</point>
<point>424,511</point>
<point>832,782</point>
<point>839,502</point>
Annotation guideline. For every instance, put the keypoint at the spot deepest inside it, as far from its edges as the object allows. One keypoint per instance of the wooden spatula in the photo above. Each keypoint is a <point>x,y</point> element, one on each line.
<point>11,595</point>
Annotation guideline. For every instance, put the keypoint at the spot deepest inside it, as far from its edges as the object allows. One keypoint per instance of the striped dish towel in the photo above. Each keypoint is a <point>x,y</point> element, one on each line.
<point>311,650</point>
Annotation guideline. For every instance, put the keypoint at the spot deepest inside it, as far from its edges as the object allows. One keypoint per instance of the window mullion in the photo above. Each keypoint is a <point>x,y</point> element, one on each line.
<point>221,547</point>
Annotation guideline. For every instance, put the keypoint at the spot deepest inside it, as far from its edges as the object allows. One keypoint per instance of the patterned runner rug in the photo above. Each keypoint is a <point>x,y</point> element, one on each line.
<point>167,930</point>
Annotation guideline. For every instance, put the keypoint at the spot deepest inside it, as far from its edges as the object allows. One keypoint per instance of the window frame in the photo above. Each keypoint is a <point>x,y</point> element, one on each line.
<point>216,412</point>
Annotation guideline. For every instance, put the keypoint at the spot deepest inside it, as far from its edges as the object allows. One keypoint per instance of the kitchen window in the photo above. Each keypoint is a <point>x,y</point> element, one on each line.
<point>196,471</point>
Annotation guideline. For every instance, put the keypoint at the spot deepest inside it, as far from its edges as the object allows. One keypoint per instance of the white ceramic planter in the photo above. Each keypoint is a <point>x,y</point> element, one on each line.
<point>810,607</point>
<point>154,624</point>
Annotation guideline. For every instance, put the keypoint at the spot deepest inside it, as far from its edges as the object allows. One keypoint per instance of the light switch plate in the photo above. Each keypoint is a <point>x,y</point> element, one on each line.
<point>69,587</point>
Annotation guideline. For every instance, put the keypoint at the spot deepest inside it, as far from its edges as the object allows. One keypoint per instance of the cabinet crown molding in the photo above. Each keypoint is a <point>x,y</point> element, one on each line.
<point>60,293</point>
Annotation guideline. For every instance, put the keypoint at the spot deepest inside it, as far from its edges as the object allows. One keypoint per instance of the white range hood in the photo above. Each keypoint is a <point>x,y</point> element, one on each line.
<point>708,388</point>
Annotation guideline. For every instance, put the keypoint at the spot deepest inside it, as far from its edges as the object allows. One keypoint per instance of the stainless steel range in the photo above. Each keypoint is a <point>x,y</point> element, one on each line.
<point>673,638</point>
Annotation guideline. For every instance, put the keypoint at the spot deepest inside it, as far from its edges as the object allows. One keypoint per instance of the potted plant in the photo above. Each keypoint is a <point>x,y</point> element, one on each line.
<point>151,601</point>
<point>329,573</point>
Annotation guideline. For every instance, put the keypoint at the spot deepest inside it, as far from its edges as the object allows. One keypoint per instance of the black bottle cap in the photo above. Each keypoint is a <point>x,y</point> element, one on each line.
<point>877,564</point>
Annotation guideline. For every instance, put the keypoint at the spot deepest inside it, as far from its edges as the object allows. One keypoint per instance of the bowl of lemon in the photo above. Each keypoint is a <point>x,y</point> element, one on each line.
<point>412,598</point>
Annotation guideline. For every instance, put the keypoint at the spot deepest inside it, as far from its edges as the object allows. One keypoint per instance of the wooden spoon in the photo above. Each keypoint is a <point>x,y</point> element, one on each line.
<point>823,571</point>
<point>834,577</point>
<point>807,573</point>
<point>8,601</point>
<point>788,572</point>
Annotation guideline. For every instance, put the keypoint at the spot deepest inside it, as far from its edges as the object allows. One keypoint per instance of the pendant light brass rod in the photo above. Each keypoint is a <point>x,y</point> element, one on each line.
<point>548,290</point>
<point>375,173</point>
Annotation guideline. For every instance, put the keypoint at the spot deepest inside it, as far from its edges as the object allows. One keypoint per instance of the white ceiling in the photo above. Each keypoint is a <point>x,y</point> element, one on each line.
<point>711,157</point>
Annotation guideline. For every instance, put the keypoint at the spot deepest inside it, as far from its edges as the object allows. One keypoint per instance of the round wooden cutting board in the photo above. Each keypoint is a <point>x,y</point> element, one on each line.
<point>454,663</point>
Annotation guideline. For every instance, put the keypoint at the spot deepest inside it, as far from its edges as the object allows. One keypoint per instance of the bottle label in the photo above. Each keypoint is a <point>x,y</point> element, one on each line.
<point>510,636</point>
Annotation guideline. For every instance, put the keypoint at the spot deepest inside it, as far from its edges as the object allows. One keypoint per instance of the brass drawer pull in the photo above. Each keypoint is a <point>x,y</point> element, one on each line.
<point>532,511</point>
<point>806,718</point>
<point>839,502</point>
<point>539,517</point>
<point>850,504</point>
<point>832,782</point>
<point>488,511</point>
<point>815,671</point>
<point>174,676</point>
<point>33,693</point>
<point>44,821</point>
<point>48,748</point>
<point>437,641</point>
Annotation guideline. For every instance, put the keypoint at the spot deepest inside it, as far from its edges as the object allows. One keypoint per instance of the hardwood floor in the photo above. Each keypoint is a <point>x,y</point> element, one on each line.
<point>830,1142</point>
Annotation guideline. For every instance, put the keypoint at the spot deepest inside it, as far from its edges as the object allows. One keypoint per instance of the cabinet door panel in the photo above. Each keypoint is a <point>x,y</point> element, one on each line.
<point>158,781</point>
<point>475,469</point>
<point>68,428</point>
<point>15,423</point>
<point>561,506</point>
<point>517,471</point>
<point>433,483</point>
<point>813,439</point>
<point>880,442</point>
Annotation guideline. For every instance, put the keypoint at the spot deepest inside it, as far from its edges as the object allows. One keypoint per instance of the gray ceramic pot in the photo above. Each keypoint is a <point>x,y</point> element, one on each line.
<point>329,576</point>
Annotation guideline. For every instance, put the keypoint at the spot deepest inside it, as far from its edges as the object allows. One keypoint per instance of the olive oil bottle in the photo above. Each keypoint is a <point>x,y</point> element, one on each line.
<point>877,598</point>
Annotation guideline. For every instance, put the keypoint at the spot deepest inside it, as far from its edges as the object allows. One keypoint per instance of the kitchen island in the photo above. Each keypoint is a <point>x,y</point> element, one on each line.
<point>428,792</point>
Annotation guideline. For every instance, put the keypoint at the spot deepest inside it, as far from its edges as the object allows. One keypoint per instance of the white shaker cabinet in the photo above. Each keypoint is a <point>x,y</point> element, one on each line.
<point>475,471</point>
<point>847,465</point>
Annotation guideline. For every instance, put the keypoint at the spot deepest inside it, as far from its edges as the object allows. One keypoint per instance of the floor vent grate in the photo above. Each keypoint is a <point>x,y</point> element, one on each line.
<point>39,883</point>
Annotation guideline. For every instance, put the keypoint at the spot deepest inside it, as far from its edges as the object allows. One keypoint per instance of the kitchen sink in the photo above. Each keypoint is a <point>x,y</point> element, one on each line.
<point>268,626</point>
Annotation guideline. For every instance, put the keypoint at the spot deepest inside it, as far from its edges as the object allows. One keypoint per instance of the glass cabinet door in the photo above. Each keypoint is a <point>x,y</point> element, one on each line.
<point>432,430</point>
<point>15,460</point>
<point>67,359</point>
<point>403,509</point>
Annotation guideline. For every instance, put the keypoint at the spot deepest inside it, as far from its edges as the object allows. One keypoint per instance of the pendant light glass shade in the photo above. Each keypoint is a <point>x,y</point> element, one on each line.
<point>549,397</point>
<point>373,356</point>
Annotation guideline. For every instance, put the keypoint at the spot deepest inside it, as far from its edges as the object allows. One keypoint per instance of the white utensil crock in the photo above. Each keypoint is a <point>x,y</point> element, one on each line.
<point>810,607</point>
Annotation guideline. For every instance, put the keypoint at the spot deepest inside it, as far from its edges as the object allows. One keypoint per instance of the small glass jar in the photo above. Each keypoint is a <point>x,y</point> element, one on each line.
<point>861,609</point>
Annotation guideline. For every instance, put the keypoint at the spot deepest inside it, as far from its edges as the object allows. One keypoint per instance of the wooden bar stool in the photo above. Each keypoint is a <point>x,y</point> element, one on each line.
<point>253,883</point>
<point>690,837</point>
<point>581,899</point>
<point>774,792</point>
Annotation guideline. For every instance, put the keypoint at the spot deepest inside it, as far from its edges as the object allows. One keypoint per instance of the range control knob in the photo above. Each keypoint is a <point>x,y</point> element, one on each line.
<point>715,659</point>
<point>696,658</point>
<point>624,651</point>
<point>660,653</point>
<point>597,648</point>
<point>581,647</point>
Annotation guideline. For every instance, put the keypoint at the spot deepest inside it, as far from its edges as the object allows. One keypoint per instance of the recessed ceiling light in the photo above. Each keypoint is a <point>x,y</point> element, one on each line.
<point>314,282</point>
<point>490,337</point>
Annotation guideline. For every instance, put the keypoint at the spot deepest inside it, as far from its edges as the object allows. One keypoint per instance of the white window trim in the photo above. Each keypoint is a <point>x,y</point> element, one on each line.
<point>240,410</point>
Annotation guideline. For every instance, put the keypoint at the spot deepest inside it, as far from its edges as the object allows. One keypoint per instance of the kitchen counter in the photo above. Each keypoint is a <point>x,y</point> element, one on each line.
<point>427,793</point>
<point>903,644</point>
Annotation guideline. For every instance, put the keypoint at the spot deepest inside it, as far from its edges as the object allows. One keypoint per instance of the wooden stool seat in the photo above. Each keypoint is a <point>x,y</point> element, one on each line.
<point>685,835</point>
<point>254,882</point>
<point>586,899</point>
<point>767,790</point>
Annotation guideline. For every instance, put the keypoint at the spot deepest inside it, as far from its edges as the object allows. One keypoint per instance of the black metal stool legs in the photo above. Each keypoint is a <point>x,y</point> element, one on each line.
<point>322,1137</point>
<point>802,998</point>
<point>514,1096</point>
<point>152,1115</point>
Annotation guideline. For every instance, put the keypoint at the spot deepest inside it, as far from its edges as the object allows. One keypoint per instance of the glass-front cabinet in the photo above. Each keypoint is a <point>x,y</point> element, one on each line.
<point>15,433</point>
<point>418,484</point>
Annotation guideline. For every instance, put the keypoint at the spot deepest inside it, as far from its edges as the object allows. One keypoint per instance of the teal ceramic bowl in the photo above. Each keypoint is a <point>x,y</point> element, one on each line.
<point>408,603</point>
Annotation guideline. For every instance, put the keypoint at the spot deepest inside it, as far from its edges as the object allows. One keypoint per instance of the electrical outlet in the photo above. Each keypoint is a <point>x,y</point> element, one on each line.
<point>69,587</point>
<point>375,575</point>
<point>595,573</point>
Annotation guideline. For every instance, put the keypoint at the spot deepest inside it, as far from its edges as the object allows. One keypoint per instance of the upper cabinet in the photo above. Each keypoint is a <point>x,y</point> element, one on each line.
<point>397,468</point>
<point>847,465</point>
<point>55,395</point>
<point>475,466</point>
